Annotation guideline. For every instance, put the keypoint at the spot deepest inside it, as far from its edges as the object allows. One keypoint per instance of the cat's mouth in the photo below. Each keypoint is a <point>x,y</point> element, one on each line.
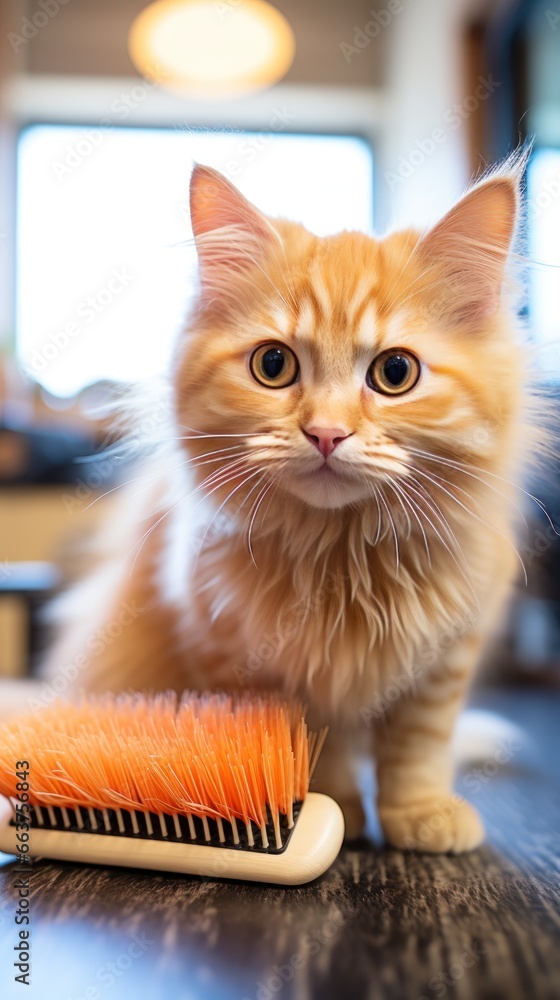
<point>327,486</point>
<point>326,471</point>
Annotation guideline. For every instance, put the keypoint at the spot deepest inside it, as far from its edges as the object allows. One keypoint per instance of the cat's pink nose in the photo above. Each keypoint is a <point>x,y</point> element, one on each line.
<point>325,439</point>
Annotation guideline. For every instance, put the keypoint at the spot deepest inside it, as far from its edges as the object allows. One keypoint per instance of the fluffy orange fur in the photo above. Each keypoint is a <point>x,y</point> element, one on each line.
<point>256,562</point>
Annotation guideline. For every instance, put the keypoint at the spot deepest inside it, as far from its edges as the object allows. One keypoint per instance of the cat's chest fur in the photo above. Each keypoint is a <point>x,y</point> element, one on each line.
<point>316,609</point>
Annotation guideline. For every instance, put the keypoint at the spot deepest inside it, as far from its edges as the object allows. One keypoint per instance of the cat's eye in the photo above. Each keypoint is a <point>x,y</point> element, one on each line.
<point>274,365</point>
<point>394,372</point>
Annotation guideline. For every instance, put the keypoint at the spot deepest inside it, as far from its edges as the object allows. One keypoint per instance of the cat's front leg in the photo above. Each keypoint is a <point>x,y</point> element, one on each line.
<point>418,809</point>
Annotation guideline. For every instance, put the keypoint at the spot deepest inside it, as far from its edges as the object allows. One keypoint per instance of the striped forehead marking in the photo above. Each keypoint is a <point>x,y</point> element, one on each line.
<point>366,328</point>
<point>307,319</point>
<point>320,294</point>
<point>281,321</point>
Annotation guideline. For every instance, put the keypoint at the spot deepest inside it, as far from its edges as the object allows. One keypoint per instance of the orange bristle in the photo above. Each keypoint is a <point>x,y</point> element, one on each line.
<point>214,757</point>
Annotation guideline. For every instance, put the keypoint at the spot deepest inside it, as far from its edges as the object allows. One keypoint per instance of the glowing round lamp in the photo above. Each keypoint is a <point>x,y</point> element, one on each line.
<point>212,48</point>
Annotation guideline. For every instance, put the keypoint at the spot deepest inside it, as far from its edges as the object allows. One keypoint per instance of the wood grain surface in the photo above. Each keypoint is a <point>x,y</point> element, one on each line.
<point>379,925</point>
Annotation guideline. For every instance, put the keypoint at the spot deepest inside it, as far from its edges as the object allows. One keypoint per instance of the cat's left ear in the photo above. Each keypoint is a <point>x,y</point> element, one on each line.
<point>467,251</point>
<point>231,235</point>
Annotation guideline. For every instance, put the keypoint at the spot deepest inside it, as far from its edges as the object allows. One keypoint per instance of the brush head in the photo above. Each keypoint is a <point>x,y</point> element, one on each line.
<point>206,768</point>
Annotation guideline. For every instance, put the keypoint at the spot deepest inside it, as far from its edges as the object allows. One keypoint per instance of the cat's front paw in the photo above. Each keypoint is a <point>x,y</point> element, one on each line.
<point>442,825</point>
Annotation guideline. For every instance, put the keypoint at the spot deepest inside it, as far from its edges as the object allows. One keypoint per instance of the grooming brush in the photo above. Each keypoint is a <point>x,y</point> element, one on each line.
<point>206,785</point>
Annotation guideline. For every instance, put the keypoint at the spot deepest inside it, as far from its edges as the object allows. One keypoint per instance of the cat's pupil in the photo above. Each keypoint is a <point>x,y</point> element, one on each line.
<point>396,369</point>
<point>273,362</point>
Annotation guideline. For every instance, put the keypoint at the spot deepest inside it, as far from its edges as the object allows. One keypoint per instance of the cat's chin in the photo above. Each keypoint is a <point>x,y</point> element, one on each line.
<point>327,493</point>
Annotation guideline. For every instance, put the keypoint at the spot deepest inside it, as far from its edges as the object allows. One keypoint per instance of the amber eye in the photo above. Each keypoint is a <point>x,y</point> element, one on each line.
<point>274,365</point>
<point>394,372</point>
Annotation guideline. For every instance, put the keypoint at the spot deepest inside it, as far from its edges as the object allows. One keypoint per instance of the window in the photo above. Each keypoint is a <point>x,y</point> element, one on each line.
<point>103,275</point>
<point>543,194</point>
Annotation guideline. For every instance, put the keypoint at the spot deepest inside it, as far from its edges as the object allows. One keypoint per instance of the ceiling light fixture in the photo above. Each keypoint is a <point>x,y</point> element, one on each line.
<point>212,48</point>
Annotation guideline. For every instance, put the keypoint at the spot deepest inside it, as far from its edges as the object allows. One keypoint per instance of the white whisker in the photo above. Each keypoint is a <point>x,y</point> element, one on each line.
<point>465,469</point>
<point>228,476</point>
<point>197,435</point>
<point>429,502</point>
<point>379,519</point>
<point>392,487</point>
<point>415,509</point>
<point>251,475</point>
<point>194,461</point>
<point>477,518</point>
<point>392,523</point>
<point>255,509</point>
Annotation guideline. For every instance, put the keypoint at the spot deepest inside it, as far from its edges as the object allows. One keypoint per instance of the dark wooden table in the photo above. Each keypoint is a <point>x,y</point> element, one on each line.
<point>380,924</point>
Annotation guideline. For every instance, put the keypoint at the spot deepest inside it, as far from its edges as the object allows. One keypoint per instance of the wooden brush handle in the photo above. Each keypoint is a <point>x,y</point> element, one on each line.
<point>312,848</point>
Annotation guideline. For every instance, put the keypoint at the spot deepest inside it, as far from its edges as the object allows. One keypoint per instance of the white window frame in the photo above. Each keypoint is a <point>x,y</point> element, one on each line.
<point>121,101</point>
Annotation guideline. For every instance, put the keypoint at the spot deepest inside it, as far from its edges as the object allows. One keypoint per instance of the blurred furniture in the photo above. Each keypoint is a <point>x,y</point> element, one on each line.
<point>42,490</point>
<point>24,588</point>
<point>42,455</point>
<point>43,524</point>
<point>52,469</point>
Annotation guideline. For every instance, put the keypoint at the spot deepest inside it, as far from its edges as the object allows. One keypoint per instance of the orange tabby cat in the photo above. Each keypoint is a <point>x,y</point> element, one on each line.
<point>332,518</point>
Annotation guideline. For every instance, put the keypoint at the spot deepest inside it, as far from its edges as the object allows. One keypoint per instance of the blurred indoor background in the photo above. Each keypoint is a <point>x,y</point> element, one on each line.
<point>358,115</point>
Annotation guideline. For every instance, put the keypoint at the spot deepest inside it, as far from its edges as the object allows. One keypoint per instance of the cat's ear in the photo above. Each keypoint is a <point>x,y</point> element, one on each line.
<point>467,251</point>
<point>231,235</point>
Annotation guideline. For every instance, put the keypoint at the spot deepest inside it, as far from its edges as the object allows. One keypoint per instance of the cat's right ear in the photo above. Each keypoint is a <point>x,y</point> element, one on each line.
<point>231,235</point>
<point>468,250</point>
